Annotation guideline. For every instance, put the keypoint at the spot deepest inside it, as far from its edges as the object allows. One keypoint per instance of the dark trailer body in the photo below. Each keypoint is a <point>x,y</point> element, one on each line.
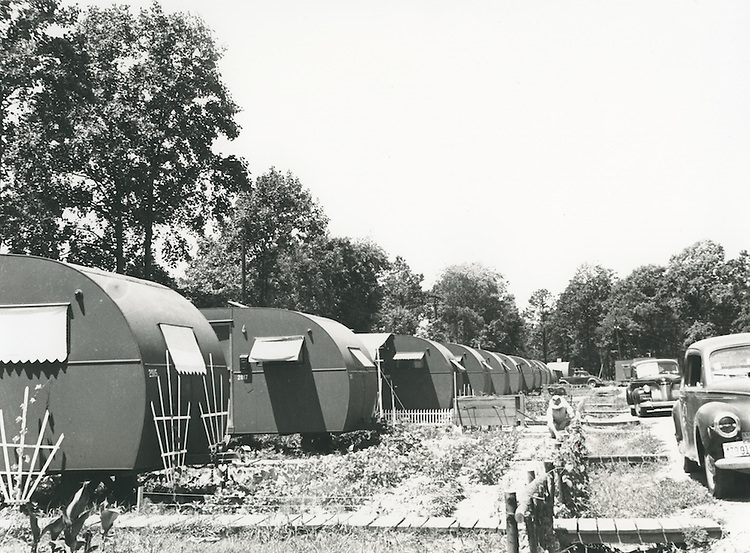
<point>498,373</point>
<point>515,378</point>
<point>106,356</point>
<point>293,372</point>
<point>422,374</point>
<point>477,371</point>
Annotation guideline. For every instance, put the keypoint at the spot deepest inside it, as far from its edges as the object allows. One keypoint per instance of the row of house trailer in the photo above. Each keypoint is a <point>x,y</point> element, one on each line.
<point>108,374</point>
<point>418,374</point>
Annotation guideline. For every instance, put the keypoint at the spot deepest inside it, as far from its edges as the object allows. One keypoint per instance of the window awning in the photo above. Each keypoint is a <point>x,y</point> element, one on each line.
<point>360,356</point>
<point>34,333</point>
<point>487,366</point>
<point>409,356</point>
<point>183,348</point>
<point>278,349</point>
<point>458,366</point>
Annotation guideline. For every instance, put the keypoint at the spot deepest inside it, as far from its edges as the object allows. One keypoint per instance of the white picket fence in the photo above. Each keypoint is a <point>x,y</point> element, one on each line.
<point>424,416</point>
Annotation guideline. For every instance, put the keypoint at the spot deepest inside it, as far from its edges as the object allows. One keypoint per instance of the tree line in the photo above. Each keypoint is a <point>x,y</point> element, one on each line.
<point>108,125</point>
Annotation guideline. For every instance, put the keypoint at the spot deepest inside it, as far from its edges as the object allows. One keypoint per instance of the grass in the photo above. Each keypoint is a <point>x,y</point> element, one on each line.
<point>623,441</point>
<point>340,540</point>
<point>648,494</point>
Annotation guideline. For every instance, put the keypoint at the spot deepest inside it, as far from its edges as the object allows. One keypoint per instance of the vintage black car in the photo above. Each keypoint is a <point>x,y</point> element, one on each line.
<point>654,384</point>
<point>581,376</point>
<point>712,414</point>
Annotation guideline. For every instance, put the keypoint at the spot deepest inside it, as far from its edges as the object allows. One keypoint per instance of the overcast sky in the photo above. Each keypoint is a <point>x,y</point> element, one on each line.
<point>529,136</point>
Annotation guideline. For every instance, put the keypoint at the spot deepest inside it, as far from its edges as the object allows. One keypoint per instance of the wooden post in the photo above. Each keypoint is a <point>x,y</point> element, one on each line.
<point>511,526</point>
<point>139,499</point>
<point>549,469</point>
<point>528,518</point>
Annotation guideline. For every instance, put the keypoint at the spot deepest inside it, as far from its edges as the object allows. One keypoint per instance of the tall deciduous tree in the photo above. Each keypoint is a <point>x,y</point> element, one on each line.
<point>336,278</point>
<point>706,291</point>
<point>537,318</point>
<point>404,300</point>
<point>639,320</point>
<point>474,308</point>
<point>579,315</point>
<point>275,216</point>
<point>153,105</point>
<point>31,60</point>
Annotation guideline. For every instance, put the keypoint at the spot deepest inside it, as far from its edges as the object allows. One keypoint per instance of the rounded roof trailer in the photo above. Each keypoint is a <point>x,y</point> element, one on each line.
<point>293,372</point>
<point>546,373</point>
<point>515,378</point>
<point>423,374</point>
<point>531,376</point>
<point>114,364</point>
<point>498,372</point>
<point>477,371</point>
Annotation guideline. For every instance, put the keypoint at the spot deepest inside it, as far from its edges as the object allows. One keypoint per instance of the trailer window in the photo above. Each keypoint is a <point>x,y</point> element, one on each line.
<point>183,349</point>
<point>34,333</point>
<point>278,349</point>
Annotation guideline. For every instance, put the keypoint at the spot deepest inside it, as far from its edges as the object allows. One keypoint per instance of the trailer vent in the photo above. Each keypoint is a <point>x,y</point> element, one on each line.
<point>34,333</point>
<point>278,349</point>
<point>183,348</point>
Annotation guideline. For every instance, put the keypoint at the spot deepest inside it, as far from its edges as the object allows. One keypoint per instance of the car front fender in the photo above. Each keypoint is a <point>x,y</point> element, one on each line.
<point>704,420</point>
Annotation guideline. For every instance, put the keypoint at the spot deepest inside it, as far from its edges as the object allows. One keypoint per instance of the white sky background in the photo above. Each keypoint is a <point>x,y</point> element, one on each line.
<point>529,136</point>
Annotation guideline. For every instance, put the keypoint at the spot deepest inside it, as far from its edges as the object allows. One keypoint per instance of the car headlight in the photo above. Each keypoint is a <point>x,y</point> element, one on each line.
<point>646,388</point>
<point>726,425</point>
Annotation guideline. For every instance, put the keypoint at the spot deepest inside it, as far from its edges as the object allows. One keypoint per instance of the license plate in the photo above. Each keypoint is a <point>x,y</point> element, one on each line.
<point>736,449</point>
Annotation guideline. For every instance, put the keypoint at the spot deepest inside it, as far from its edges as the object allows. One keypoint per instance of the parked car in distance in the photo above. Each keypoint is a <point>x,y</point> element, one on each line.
<point>654,384</point>
<point>712,414</point>
<point>581,376</point>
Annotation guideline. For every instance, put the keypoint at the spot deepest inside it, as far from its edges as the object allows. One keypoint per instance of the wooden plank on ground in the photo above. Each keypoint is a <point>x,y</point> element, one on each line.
<point>465,522</point>
<point>279,520</point>
<point>631,531</point>
<point>226,520</point>
<point>412,521</point>
<point>387,521</point>
<point>305,518</point>
<point>247,521</point>
<point>607,530</point>
<point>490,523</point>
<point>440,523</point>
<point>314,521</point>
<point>338,519</point>
<point>361,520</point>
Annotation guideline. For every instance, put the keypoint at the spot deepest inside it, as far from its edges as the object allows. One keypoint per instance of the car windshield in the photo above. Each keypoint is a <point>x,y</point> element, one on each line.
<point>728,363</point>
<point>655,368</point>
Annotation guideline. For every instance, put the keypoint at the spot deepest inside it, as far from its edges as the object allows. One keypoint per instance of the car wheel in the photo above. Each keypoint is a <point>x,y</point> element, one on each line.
<point>690,466</point>
<point>592,383</point>
<point>632,411</point>
<point>718,481</point>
